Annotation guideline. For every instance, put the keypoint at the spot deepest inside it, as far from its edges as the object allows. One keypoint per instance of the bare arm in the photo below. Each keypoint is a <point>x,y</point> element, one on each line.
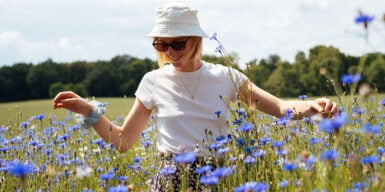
<point>122,137</point>
<point>268,103</point>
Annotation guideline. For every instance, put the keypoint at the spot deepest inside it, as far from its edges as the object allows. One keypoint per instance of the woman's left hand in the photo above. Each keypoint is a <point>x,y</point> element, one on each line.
<point>329,108</point>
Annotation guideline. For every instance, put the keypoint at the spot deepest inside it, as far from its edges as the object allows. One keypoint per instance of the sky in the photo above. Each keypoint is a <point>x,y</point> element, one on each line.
<point>33,31</point>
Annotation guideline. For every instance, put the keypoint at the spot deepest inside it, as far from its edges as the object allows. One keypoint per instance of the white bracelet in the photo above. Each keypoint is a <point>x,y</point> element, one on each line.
<point>98,110</point>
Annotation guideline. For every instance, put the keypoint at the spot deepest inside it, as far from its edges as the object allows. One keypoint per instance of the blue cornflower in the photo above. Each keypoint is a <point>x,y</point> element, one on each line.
<point>333,125</point>
<point>34,143</point>
<point>119,188</point>
<point>289,167</point>
<point>289,114</point>
<point>375,129</point>
<point>168,170</point>
<point>246,127</point>
<point>218,113</point>
<point>222,171</point>
<point>203,170</point>
<point>252,186</point>
<point>3,129</point>
<point>249,149</point>
<point>249,160</point>
<point>370,159</point>
<point>215,146</point>
<point>209,180</point>
<point>107,176</point>
<point>381,150</point>
<point>315,140</point>
<point>237,121</point>
<point>282,121</point>
<point>350,79</point>
<point>137,159</point>
<point>329,155</point>
<point>281,152</point>
<point>303,97</point>
<point>259,153</point>
<point>122,178</point>
<point>213,36</point>
<point>363,18</point>
<point>221,140</point>
<point>64,137</point>
<point>264,141</point>
<point>240,141</point>
<point>218,49</point>
<point>382,102</point>
<point>223,150</point>
<point>21,169</point>
<point>278,144</point>
<point>39,117</point>
<point>146,143</point>
<point>24,124</point>
<point>359,185</point>
<point>283,184</point>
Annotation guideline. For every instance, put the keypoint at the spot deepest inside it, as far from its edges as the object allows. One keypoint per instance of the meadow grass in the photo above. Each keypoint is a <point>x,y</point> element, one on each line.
<point>42,149</point>
<point>11,111</point>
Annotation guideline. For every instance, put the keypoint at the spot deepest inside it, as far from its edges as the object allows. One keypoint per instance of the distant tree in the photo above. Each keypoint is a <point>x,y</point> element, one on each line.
<point>231,60</point>
<point>283,82</point>
<point>257,73</point>
<point>78,71</point>
<point>13,85</point>
<point>326,65</point>
<point>79,89</point>
<point>375,73</point>
<point>41,76</point>
<point>102,80</point>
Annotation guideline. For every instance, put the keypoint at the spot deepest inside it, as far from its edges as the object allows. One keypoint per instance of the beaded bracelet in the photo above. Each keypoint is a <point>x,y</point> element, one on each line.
<point>98,110</point>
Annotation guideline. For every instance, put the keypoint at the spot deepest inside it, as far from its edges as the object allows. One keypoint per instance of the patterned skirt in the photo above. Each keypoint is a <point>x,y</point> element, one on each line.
<point>172,176</point>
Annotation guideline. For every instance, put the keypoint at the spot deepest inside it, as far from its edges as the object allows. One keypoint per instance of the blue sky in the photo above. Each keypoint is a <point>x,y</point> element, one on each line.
<point>89,30</point>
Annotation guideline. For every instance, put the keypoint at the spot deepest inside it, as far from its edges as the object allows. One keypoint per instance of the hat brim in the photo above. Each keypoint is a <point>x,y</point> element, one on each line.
<point>164,30</point>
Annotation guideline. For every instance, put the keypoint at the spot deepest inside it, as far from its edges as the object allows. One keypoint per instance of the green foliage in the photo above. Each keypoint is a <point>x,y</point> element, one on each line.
<point>315,74</point>
<point>375,72</point>
<point>41,76</point>
<point>78,88</point>
<point>12,82</point>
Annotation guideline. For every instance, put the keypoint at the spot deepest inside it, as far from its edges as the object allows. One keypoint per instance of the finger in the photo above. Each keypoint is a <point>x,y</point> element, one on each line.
<point>317,107</point>
<point>64,103</point>
<point>328,106</point>
<point>334,108</point>
<point>65,95</point>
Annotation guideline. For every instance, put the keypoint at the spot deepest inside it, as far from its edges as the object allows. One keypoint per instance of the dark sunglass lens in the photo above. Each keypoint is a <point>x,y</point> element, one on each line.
<point>177,46</point>
<point>161,46</point>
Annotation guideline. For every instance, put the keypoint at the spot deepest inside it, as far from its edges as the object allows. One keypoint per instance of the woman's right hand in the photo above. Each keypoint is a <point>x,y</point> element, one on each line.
<point>73,102</point>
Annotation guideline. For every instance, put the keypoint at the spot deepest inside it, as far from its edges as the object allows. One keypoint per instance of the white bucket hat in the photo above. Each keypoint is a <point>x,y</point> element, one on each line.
<point>175,20</point>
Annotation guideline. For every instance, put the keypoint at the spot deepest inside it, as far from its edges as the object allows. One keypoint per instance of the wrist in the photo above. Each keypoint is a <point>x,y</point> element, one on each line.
<point>97,110</point>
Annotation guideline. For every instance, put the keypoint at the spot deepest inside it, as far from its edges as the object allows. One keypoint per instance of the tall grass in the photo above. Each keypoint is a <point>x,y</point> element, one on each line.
<point>45,150</point>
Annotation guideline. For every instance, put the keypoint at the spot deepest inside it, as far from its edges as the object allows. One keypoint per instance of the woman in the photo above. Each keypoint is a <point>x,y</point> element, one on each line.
<point>184,94</point>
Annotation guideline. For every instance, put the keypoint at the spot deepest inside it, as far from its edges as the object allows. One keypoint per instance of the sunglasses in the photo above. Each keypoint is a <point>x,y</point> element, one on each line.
<point>177,46</point>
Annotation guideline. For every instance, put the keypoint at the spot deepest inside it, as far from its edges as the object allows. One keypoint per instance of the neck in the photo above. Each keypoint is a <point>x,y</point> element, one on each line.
<point>190,66</point>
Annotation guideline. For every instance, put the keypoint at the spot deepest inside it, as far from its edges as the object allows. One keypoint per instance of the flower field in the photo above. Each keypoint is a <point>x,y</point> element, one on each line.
<point>51,152</point>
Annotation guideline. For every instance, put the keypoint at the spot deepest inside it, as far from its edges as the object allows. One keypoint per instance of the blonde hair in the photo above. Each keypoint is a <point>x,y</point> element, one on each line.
<point>194,54</point>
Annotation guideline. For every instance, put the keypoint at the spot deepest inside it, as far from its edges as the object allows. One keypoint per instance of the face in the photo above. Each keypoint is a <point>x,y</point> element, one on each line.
<point>177,49</point>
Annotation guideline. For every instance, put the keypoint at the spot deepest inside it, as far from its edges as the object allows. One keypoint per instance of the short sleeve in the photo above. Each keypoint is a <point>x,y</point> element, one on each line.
<point>237,77</point>
<point>145,90</point>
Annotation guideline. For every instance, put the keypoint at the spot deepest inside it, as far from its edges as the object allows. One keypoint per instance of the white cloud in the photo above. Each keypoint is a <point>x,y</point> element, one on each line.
<point>69,30</point>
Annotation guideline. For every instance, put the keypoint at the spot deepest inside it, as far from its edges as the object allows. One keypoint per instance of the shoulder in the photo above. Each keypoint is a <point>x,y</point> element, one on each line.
<point>219,68</point>
<point>156,72</point>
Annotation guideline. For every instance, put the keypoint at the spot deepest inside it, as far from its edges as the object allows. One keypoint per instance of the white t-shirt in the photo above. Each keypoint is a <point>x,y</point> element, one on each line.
<point>181,121</point>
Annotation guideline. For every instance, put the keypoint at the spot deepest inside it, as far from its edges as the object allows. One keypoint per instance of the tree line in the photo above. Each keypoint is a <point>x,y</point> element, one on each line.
<point>316,74</point>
